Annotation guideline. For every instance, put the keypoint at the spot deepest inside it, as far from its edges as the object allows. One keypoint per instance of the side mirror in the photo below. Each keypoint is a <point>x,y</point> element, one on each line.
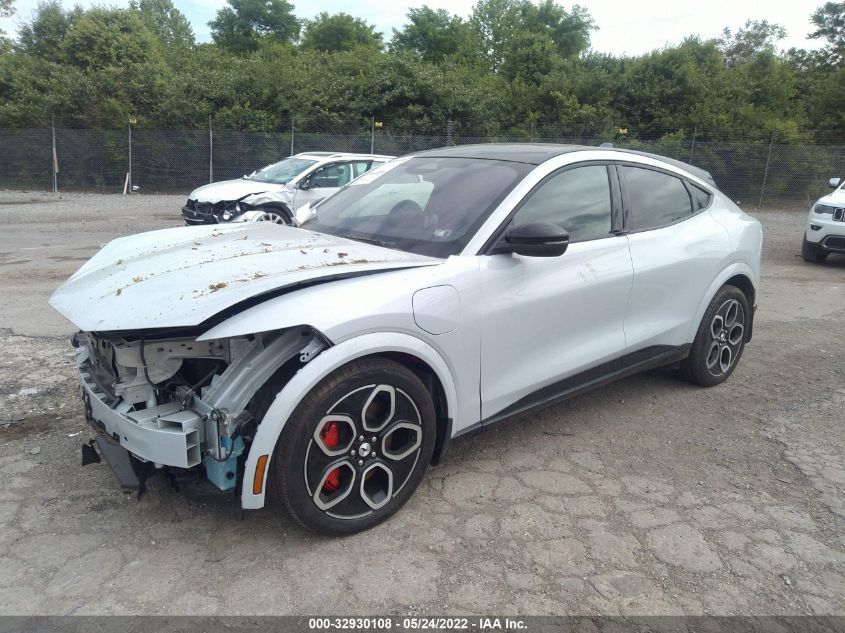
<point>833,183</point>
<point>305,183</point>
<point>538,239</point>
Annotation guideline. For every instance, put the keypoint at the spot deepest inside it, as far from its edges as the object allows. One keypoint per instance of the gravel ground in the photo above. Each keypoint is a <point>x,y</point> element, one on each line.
<point>648,497</point>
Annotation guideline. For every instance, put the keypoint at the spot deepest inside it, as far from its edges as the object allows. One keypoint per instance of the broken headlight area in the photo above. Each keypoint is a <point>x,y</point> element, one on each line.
<point>179,402</point>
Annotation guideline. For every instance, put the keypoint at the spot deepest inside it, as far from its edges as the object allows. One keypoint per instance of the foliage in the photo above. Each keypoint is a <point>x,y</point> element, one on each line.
<point>339,32</point>
<point>513,69</point>
<point>242,25</point>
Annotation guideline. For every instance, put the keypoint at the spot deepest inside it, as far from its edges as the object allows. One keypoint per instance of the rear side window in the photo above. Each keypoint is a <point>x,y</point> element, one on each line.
<point>655,199</point>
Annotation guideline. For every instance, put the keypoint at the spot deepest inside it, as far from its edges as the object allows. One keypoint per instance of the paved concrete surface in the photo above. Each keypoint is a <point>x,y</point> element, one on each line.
<point>647,497</point>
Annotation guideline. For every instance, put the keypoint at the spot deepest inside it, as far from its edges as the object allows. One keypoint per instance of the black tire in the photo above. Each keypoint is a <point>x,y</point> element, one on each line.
<point>812,253</point>
<point>708,364</point>
<point>362,474</point>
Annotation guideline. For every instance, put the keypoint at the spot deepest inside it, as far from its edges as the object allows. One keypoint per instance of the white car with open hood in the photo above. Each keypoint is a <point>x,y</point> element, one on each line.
<point>325,367</point>
<point>277,192</point>
<point>825,230</point>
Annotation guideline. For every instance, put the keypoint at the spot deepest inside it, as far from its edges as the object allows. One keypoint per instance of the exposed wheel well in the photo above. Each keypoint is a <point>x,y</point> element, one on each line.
<point>431,381</point>
<point>744,284</point>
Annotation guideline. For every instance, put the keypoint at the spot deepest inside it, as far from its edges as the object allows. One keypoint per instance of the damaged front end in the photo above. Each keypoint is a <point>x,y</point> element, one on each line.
<point>181,404</point>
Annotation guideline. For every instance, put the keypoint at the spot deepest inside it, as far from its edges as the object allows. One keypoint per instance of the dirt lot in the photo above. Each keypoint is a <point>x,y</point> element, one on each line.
<point>648,497</point>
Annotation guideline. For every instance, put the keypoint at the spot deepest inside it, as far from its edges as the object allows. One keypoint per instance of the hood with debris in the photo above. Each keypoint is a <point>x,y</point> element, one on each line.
<point>183,276</point>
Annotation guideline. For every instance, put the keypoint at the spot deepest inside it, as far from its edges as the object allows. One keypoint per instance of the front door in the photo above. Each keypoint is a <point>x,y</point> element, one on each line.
<point>546,319</point>
<point>326,180</point>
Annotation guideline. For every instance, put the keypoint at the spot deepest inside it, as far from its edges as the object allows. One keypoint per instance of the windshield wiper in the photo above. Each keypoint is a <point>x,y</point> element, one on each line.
<point>369,240</point>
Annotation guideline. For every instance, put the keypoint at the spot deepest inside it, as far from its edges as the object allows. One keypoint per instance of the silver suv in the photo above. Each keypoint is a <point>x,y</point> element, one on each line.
<point>276,192</point>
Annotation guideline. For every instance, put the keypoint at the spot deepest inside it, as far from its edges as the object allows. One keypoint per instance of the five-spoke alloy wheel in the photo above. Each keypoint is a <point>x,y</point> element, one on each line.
<point>356,447</point>
<point>720,339</point>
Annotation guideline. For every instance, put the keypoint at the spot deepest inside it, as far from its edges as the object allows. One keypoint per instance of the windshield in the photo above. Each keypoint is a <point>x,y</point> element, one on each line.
<point>425,205</point>
<point>282,172</point>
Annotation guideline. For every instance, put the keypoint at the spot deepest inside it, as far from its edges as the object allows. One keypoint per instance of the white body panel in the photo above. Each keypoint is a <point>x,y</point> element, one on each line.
<point>660,308</point>
<point>548,318</point>
<point>181,277</point>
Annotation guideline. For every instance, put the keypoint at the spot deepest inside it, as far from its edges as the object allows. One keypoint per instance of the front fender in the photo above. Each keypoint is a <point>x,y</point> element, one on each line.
<point>269,430</point>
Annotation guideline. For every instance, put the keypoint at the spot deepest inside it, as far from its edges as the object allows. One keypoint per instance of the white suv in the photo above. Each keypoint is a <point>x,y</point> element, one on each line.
<point>274,193</point>
<point>825,232</point>
<point>324,367</point>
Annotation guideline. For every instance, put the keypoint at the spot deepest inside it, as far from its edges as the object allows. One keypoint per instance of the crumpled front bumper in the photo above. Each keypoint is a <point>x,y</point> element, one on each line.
<point>164,434</point>
<point>193,217</point>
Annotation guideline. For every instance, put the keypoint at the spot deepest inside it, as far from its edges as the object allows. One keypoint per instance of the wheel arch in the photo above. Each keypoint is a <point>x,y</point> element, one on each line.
<point>276,206</point>
<point>740,275</point>
<point>411,351</point>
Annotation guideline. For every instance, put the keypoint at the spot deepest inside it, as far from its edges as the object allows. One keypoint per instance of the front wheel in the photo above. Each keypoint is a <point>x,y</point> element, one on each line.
<point>274,216</point>
<point>720,339</point>
<point>355,448</point>
<point>811,252</point>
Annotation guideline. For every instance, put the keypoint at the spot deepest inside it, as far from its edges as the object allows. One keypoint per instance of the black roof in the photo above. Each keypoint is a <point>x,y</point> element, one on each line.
<point>537,153</point>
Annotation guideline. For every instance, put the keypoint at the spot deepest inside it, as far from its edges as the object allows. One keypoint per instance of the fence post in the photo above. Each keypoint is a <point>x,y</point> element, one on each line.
<point>766,172</point>
<point>292,125</point>
<point>449,133</point>
<point>692,147</point>
<point>373,135</point>
<point>128,187</point>
<point>55,165</point>
<point>210,152</point>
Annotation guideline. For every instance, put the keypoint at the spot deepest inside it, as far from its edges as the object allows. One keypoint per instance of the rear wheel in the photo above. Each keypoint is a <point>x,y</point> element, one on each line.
<point>811,252</point>
<point>720,339</point>
<point>355,448</point>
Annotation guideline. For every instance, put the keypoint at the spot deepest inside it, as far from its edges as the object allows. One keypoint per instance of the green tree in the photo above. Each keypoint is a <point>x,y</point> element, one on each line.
<point>433,35</point>
<point>7,10</point>
<point>757,37</point>
<point>829,20</point>
<point>168,24</point>
<point>497,22</point>
<point>43,36</point>
<point>569,31</point>
<point>339,32</point>
<point>244,23</point>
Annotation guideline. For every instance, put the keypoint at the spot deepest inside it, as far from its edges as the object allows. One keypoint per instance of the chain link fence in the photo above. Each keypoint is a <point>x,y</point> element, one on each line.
<point>176,161</point>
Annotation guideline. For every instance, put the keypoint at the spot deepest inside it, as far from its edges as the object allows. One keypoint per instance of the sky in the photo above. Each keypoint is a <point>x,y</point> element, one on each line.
<point>628,27</point>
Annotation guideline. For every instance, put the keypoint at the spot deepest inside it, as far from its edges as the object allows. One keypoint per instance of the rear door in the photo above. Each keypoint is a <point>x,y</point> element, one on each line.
<point>546,319</point>
<point>326,180</point>
<point>677,249</point>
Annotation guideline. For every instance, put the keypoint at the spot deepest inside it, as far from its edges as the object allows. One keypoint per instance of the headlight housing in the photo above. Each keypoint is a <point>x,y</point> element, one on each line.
<point>824,209</point>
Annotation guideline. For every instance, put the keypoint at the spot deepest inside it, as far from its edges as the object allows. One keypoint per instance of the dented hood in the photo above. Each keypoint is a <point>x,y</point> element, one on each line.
<point>232,190</point>
<point>183,276</point>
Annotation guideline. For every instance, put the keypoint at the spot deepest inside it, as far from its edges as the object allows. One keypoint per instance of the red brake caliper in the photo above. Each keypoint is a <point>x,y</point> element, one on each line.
<point>331,437</point>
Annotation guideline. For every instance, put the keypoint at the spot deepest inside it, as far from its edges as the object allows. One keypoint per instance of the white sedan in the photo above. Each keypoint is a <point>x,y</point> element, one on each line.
<point>325,367</point>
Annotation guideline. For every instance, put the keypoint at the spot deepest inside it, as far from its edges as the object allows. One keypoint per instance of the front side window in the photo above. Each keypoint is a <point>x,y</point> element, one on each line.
<point>577,200</point>
<point>426,205</point>
<point>655,199</point>
<point>334,175</point>
<point>282,172</point>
